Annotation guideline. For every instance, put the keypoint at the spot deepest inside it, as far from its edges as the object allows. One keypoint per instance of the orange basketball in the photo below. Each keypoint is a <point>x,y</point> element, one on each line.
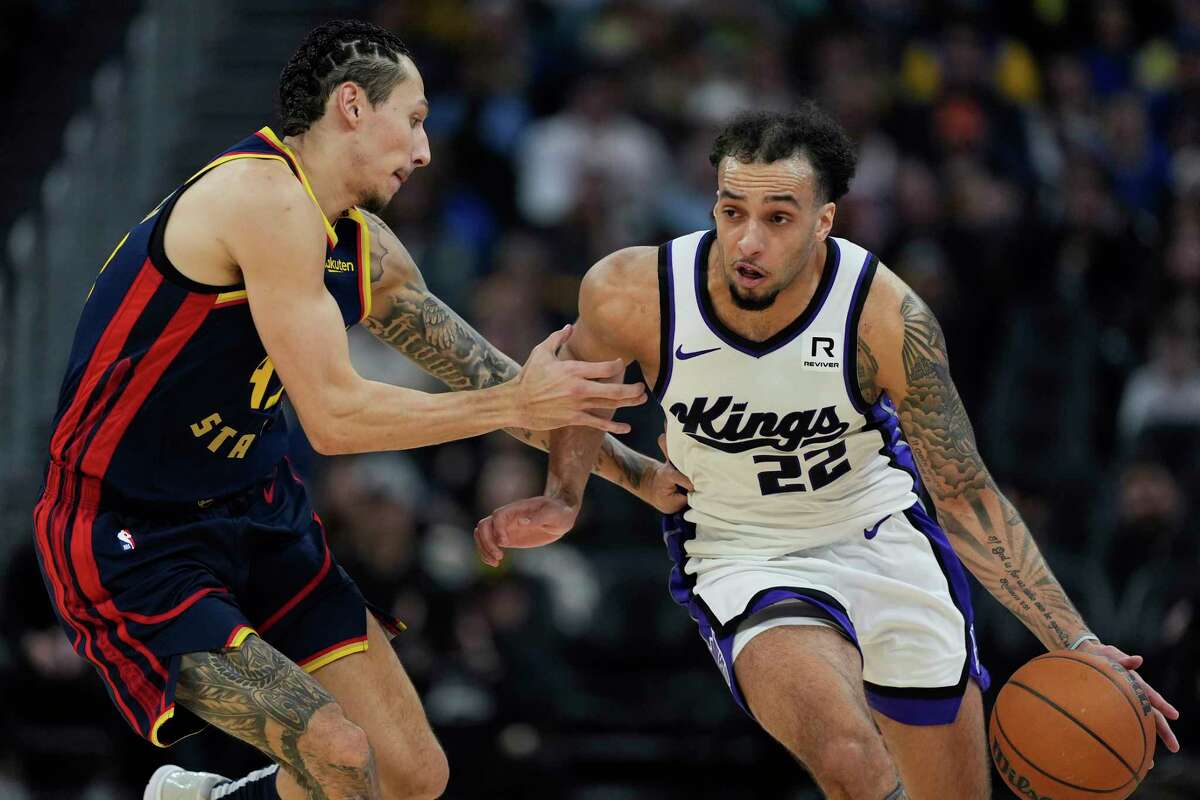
<point>1072,726</point>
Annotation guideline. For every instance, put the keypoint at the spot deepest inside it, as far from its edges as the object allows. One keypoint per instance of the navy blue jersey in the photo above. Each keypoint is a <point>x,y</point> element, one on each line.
<point>169,395</point>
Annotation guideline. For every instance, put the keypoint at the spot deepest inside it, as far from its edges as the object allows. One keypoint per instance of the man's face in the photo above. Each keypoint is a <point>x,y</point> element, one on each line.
<point>769,218</point>
<point>391,141</point>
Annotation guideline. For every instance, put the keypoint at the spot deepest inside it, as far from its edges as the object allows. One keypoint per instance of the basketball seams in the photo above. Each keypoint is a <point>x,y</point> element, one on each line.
<point>1000,728</point>
<point>1082,727</point>
<point>1137,714</point>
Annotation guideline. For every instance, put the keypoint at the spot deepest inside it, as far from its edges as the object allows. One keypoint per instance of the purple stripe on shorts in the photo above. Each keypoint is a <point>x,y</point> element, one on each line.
<point>916,710</point>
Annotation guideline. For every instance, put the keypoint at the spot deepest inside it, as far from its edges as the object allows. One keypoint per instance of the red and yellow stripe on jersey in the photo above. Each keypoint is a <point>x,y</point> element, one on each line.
<point>169,395</point>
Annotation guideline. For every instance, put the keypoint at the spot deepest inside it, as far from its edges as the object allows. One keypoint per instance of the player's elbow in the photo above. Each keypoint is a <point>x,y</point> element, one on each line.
<point>326,441</point>
<point>329,428</point>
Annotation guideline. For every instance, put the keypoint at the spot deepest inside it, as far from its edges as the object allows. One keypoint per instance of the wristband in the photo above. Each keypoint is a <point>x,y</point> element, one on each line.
<point>1087,637</point>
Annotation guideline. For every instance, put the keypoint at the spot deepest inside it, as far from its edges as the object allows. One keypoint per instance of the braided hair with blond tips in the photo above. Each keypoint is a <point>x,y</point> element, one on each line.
<point>331,54</point>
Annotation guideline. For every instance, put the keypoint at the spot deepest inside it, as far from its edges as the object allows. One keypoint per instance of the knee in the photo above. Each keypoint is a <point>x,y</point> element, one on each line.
<point>332,740</point>
<point>851,763</point>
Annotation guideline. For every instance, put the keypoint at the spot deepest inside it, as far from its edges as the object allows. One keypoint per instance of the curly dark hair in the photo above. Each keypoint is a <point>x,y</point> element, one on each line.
<point>338,51</point>
<point>768,136</point>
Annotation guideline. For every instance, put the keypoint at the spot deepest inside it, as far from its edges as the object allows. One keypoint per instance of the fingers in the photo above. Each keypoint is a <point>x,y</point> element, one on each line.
<point>489,551</point>
<point>615,395</point>
<point>1163,710</point>
<point>555,340</point>
<point>1157,700</point>
<point>662,445</point>
<point>679,478</point>
<point>603,423</point>
<point>1164,732</point>
<point>604,370</point>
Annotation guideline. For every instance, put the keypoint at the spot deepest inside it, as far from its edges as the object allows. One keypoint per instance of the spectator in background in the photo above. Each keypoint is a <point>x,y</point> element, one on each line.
<point>1167,389</point>
<point>1145,556</point>
<point>592,169</point>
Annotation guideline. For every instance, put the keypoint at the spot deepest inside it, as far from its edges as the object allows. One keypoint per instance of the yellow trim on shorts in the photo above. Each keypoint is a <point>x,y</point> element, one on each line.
<point>240,635</point>
<point>158,723</point>
<point>330,657</point>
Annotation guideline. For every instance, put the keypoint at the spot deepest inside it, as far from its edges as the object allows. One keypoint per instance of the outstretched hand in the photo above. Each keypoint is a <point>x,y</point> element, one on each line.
<point>1163,710</point>
<point>550,393</point>
<point>532,522</point>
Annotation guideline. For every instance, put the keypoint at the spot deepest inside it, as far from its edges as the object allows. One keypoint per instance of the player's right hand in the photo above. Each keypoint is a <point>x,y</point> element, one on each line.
<point>532,522</point>
<point>554,394</point>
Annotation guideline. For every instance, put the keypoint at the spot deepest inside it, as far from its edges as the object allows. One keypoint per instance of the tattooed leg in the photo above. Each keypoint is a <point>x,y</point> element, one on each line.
<point>262,698</point>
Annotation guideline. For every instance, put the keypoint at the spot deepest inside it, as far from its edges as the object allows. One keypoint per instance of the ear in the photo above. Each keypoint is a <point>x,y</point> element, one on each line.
<point>825,221</point>
<point>348,103</point>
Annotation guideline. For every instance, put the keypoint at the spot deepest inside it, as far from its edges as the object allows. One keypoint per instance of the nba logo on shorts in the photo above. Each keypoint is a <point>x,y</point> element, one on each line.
<point>126,539</point>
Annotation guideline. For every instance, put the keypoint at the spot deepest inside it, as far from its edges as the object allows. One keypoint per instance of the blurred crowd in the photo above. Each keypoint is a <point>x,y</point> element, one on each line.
<point>1031,168</point>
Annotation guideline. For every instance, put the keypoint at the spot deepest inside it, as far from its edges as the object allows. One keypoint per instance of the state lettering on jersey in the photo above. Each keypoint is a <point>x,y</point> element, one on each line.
<point>725,425</point>
<point>821,351</point>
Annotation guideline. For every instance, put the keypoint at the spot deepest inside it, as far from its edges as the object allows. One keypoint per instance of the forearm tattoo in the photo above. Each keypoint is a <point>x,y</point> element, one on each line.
<point>897,794</point>
<point>996,545</point>
<point>256,694</point>
<point>428,332</point>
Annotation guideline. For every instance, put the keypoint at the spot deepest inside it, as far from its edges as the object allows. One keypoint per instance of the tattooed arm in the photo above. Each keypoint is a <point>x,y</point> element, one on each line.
<point>410,319</point>
<point>901,350</point>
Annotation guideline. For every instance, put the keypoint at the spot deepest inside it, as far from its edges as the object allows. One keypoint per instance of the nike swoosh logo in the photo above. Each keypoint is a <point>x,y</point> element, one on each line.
<point>682,356</point>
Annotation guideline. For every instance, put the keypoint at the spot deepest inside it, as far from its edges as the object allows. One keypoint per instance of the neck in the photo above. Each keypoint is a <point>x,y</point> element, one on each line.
<point>322,167</point>
<point>789,303</point>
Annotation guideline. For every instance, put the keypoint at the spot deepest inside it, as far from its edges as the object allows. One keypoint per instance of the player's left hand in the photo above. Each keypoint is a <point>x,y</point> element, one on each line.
<point>668,487</point>
<point>1163,710</point>
<point>532,522</point>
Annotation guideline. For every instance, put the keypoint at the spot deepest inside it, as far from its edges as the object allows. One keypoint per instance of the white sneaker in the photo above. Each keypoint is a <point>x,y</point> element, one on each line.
<point>170,782</point>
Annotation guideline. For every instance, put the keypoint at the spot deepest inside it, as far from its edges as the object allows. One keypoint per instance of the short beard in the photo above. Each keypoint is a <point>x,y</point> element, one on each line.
<point>751,303</point>
<point>375,203</point>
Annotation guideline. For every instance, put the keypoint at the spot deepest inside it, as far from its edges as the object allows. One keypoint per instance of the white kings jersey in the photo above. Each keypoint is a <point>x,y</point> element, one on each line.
<point>783,451</point>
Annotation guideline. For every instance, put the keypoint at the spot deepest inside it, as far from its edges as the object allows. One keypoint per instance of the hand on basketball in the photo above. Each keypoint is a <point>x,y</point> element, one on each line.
<point>532,522</point>
<point>668,486</point>
<point>554,394</point>
<point>1163,710</point>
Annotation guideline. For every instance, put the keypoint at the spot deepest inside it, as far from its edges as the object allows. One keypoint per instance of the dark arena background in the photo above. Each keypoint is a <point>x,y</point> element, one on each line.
<point>1030,167</point>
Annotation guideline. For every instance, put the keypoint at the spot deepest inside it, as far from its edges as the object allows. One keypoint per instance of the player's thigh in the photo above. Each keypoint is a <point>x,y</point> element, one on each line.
<point>377,695</point>
<point>253,692</point>
<point>938,761</point>
<point>804,686</point>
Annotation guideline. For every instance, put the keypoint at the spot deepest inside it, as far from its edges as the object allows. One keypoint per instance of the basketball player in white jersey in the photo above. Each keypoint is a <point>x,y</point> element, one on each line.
<point>834,481</point>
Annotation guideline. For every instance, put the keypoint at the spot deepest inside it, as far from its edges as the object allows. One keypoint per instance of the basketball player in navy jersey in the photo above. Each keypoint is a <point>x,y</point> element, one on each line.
<point>836,480</point>
<point>178,548</point>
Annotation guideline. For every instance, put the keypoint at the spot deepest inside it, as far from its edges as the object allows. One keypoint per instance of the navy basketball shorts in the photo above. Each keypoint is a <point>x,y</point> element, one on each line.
<point>896,591</point>
<point>136,588</point>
